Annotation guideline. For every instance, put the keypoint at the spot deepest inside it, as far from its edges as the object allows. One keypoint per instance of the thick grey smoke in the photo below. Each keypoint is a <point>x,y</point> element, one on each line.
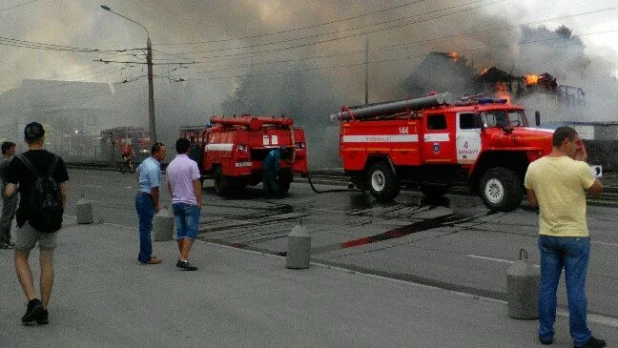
<point>243,70</point>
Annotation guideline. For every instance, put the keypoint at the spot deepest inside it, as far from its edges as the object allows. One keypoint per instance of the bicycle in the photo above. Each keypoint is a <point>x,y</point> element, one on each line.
<point>127,166</point>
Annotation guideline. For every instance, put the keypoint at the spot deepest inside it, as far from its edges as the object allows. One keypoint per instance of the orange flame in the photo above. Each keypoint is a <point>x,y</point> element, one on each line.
<point>531,80</point>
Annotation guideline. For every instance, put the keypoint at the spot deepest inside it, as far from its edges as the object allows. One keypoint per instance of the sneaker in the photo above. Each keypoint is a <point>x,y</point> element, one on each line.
<point>546,341</point>
<point>43,317</point>
<point>593,343</point>
<point>34,312</point>
<point>185,265</point>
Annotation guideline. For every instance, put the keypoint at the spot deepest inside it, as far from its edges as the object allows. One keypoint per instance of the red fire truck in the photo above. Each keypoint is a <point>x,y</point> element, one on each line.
<point>230,150</point>
<point>433,142</point>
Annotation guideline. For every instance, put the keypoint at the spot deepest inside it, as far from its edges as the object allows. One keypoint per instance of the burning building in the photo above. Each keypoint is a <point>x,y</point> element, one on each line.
<point>442,71</point>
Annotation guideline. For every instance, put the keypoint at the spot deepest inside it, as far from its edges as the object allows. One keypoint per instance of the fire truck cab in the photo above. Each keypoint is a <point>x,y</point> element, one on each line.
<point>230,150</point>
<point>433,142</point>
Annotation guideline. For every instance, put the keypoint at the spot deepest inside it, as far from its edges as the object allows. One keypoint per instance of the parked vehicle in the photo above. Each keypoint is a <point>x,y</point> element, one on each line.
<point>429,143</point>
<point>230,150</point>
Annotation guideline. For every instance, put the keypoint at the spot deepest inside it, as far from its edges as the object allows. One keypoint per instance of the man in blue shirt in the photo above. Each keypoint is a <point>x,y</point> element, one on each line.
<point>147,200</point>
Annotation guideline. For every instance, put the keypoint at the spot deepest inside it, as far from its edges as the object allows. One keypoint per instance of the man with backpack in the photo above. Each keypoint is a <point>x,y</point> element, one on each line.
<point>41,176</point>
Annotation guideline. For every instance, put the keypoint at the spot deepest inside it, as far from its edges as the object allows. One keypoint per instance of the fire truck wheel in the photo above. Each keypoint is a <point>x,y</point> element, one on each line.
<point>219,184</point>
<point>382,182</point>
<point>501,189</point>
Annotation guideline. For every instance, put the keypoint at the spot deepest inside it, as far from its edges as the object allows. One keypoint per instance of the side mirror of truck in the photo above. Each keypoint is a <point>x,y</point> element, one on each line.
<point>537,118</point>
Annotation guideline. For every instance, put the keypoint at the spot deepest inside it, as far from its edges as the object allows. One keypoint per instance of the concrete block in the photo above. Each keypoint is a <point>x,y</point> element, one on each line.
<point>299,248</point>
<point>163,225</point>
<point>522,288</point>
<point>83,209</point>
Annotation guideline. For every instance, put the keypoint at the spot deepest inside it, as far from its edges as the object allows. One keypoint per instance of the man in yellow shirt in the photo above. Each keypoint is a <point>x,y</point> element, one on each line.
<point>557,184</point>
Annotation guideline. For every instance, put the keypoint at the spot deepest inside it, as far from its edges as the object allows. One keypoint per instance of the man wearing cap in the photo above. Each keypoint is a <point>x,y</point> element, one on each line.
<point>27,236</point>
<point>147,201</point>
<point>9,204</point>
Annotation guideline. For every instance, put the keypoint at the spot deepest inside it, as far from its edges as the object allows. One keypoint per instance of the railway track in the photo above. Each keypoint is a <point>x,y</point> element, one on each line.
<point>332,177</point>
<point>336,177</point>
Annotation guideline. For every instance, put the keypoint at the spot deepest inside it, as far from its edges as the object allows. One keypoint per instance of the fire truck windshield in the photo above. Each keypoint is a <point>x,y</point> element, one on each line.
<point>503,118</point>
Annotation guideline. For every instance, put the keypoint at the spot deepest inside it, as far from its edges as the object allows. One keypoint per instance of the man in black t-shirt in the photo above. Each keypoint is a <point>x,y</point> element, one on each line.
<point>19,177</point>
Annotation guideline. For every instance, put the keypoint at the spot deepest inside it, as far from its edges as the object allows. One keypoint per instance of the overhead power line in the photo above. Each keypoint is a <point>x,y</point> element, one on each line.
<point>461,9</point>
<point>139,62</point>
<point>59,48</point>
<point>295,29</point>
<point>499,28</point>
<point>388,60</point>
<point>16,6</point>
<point>421,42</point>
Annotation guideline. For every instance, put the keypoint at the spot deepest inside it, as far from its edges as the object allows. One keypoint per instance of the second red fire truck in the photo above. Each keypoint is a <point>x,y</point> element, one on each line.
<point>230,150</point>
<point>429,143</point>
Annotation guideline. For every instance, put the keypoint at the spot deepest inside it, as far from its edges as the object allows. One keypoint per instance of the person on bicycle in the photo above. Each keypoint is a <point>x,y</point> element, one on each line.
<point>127,154</point>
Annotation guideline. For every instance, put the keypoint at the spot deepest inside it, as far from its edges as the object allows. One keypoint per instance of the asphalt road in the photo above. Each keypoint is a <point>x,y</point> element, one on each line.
<point>455,243</point>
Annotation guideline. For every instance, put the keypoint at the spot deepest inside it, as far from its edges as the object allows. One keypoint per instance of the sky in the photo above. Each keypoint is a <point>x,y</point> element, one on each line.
<point>85,24</point>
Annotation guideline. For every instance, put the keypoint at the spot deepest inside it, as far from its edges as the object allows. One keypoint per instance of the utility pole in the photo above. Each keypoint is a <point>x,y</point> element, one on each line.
<point>366,71</point>
<point>151,105</point>
<point>151,108</point>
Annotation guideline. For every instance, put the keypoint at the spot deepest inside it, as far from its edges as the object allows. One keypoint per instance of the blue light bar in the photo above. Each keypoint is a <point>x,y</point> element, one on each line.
<point>492,101</point>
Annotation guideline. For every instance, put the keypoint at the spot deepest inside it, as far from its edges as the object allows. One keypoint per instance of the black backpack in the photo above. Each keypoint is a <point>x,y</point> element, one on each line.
<point>45,200</point>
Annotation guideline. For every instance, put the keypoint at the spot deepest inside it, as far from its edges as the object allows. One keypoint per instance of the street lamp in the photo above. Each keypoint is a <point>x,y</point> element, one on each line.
<point>151,107</point>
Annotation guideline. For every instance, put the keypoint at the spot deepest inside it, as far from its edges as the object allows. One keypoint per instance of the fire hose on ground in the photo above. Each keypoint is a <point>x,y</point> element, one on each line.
<point>328,191</point>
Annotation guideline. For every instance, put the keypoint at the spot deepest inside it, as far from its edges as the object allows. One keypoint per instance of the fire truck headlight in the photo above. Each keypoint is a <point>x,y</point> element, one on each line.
<point>300,145</point>
<point>241,148</point>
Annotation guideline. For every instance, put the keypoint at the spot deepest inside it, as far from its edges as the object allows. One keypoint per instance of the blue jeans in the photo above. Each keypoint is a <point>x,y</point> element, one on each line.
<point>144,205</point>
<point>572,254</point>
<point>187,219</point>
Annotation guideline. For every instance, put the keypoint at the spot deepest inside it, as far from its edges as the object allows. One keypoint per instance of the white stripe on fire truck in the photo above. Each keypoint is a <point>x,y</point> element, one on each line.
<point>437,137</point>
<point>380,138</point>
<point>219,147</point>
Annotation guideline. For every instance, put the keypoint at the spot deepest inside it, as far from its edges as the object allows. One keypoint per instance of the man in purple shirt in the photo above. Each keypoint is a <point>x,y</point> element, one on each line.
<point>183,182</point>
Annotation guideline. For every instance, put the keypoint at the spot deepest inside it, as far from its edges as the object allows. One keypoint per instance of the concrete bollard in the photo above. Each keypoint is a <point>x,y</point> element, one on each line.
<point>299,248</point>
<point>163,225</point>
<point>522,288</point>
<point>83,209</point>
